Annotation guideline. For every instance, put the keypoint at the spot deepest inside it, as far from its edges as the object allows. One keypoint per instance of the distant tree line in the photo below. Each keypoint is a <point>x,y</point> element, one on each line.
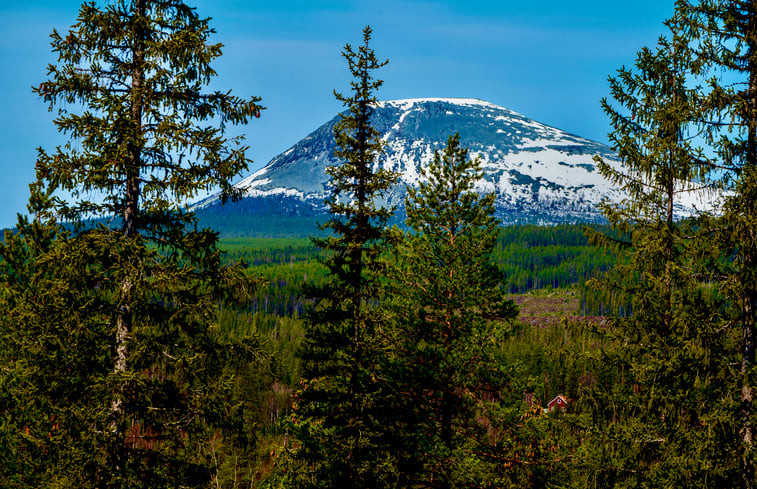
<point>530,257</point>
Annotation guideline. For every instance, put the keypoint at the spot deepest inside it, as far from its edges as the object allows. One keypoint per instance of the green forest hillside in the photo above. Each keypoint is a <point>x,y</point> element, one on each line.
<point>530,257</point>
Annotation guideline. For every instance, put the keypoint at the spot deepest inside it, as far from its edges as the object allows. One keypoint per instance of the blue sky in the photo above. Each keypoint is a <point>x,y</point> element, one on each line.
<point>548,60</point>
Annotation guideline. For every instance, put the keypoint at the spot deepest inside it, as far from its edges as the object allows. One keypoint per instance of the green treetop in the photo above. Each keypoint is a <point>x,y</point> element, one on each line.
<point>450,310</point>
<point>661,414</point>
<point>724,44</point>
<point>144,138</point>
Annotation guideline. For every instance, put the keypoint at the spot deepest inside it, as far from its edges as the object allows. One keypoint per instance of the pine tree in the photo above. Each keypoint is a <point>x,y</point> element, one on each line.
<point>143,295</point>
<point>663,423</point>
<point>339,423</point>
<point>451,310</point>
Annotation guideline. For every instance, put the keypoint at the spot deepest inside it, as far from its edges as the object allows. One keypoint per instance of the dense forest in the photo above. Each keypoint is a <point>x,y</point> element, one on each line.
<point>449,352</point>
<point>530,257</point>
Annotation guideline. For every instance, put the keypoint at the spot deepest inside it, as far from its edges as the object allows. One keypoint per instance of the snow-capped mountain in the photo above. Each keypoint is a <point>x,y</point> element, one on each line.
<point>539,173</point>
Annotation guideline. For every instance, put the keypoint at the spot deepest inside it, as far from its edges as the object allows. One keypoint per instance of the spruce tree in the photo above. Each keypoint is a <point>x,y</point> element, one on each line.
<point>724,42</point>
<point>339,419</point>
<point>127,304</point>
<point>661,423</point>
<point>450,312</point>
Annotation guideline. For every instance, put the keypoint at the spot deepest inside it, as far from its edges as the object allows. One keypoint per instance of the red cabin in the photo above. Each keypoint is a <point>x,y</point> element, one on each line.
<point>559,402</point>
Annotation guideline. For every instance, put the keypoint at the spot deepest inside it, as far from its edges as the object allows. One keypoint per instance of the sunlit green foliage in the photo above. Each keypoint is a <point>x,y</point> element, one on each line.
<point>449,313</point>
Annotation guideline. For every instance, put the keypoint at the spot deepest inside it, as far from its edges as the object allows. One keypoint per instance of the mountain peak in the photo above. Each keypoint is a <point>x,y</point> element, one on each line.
<point>409,102</point>
<point>540,174</point>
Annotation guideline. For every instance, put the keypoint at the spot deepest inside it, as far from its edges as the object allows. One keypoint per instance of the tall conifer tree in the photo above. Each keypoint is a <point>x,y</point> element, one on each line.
<point>450,312</point>
<point>338,409</point>
<point>664,421</point>
<point>724,35</point>
<point>129,83</point>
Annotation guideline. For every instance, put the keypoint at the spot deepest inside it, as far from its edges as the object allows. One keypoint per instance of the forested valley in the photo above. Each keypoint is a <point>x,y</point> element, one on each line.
<point>139,350</point>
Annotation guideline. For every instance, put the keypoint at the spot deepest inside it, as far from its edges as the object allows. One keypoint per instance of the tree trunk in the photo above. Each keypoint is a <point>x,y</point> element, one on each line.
<point>446,434</point>
<point>749,258</point>
<point>131,209</point>
<point>670,221</point>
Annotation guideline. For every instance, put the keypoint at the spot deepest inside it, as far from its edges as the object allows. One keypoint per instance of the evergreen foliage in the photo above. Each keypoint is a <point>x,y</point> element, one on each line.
<point>450,314</point>
<point>339,419</point>
<point>129,314</point>
<point>52,340</point>
<point>668,423</point>
<point>130,352</point>
<point>530,257</point>
<point>724,43</point>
